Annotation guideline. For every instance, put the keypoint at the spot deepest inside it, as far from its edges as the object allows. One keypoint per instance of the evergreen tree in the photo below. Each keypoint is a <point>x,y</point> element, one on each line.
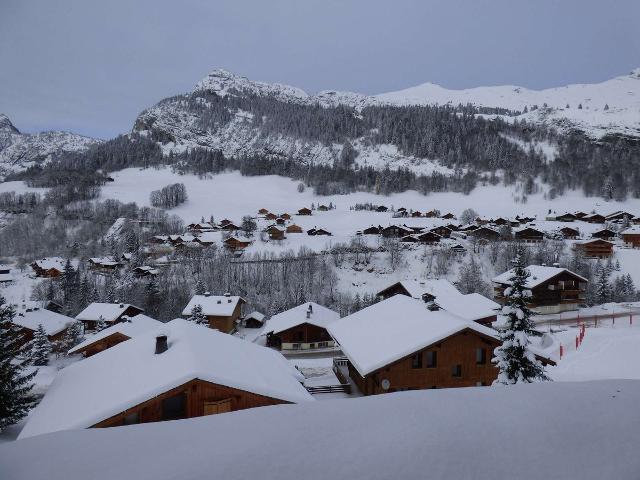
<point>101,324</point>
<point>40,347</point>
<point>69,287</point>
<point>153,297</point>
<point>516,363</point>
<point>470,278</point>
<point>197,316</point>
<point>73,335</point>
<point>602,288</point>
<point>200,287</point>
<point>16,398</point>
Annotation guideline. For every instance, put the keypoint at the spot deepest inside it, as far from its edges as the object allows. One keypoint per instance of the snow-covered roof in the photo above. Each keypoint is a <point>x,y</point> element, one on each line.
<point>469,307</point>
<point>130,373</point>
<point>320,316</point>
<point>30,316</point>
<point>132,327</point>
<point>109,312</point>
<point>6,277</point>
<point>393,329</point>
<point>214,305</point>
<point>435,287</point>
<point>538,275</point>
<point>51,262</point>
<point>634,230</point>
<point>255,315</point>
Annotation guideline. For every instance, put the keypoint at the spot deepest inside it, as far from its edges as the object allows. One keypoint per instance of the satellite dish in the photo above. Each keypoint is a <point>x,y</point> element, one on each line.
<point>385,384</point>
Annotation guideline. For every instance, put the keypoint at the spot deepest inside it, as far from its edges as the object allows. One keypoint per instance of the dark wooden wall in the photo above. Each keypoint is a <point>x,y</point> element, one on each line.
<point>304,333</point>
<point>225,324</point>
<point>103,344</point>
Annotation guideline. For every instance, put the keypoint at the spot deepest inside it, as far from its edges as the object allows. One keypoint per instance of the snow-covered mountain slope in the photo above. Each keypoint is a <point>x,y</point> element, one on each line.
<point>19,151</point>
<point>581,106</point>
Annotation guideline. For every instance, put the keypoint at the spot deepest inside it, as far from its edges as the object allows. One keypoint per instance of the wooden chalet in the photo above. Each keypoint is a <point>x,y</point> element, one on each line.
<point>29,315</point>
<point>485,233</point>
<point>580,215</point>
<point>529,235</point>
<point>230,227</point>
<point>222,311</point>
<point>453,227</point>
<point>51,267</point>
<point>566,217</point>
<point>145,271</point>
<point>293,228</point>
<point>263,211</point>
<point>115,334</point>
<point>323,208</point>
<point>280,221</point>
<point>553,289</point>
<point>318,231</point>
<point>429,237</point>
<point>416,214</point>
<point>5,274</point>
<point>180,370</point>
<point>400,344</point>
<point>254,320</point>
<point>631,237</point>
<point>234,243</point>
<point>501,221</point>
<point>448,216</point>
<point>604,234</point>
<point>304,211</point>
<point>286,216</point>
<point>431,214</point>
<point>569,233</point>
<point>372,230</point>
<point>110,313</point>
<point>270,216</point>
<point>396,231</point>
<point>275,233</point>
<point>596,248</point>
<point>594,218</point>
<point>381,209</point>
<point>443,231</point>
<point>410,239</point>
<point>301,328</point>
<point>619,215</point>
<point>104,264</point>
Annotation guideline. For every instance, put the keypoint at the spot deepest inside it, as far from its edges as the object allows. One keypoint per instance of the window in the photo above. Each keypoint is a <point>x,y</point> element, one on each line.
<point>481,356</point>
<point>295,346</point>
<point>323,344</point>
<point>131,419</point>
<point>416,360</point>
<point>456,371</point>
<point>432,359</point>
<point>312,345</point>
<point>174,407</point>
<point>213,408</point>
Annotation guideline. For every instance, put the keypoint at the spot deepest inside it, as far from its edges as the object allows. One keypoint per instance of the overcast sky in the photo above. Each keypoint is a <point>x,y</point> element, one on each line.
<point>92,66</point>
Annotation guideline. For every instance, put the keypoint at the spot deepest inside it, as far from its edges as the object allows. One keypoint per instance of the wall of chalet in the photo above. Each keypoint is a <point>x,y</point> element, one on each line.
<point>225,324</point>
<point>103,344</point>
<point>304,333</point>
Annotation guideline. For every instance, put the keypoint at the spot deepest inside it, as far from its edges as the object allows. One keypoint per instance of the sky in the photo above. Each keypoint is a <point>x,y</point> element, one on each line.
<point>91,66</point>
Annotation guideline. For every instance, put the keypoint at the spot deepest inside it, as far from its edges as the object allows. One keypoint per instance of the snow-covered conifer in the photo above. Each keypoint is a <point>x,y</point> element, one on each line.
<point>40,347</point>
<point>197,316</point>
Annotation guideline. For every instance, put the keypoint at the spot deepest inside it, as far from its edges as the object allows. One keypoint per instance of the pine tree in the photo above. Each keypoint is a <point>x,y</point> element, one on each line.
<point>603,290</point>
<point>516,363</point>
<point>200,287</point>
<point>40,347</point>
<point>101,324</point>
<point>153,297</point>
<point>69,286</point>
<point>16,398</point>
<point>73,335</point>
<point>197,316</point>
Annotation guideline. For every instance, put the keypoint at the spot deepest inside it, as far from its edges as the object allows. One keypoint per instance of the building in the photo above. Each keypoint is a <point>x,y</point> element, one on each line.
<point>110,313</point>
<point>254,320</point>
<point>304,211</point>
<point>104,264</point>
<point>485,233</point>
<point>5,274</point>
<point>529,235</point>
<point>30,315</point>
<point>372,230</point>
<point>222,311</point>
<point>293,228</point>
<point>301,328</point>
<point>594,218</point>
<point>51,267</point>
<point>180,370</point>
<point>318,231</point>
<point>566,217</point>
<point>429,237</point>
<point>443,231</point>
<point>235,243</point>
<point>275,233</point>
<point>400,344</point>
<point>619,215</point>
<point>396,231</point>
<point>631,236</point>
<point>596,248</point>
<point>604,234</point>
<point>115,334</point>
<point>569,233</point>
<point>553,289</point>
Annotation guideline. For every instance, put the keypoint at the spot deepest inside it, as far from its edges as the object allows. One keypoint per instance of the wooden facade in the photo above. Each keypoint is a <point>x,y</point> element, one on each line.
<point>529,235</point>
<point>485,233</point>
<point>46,272</point>
<point>461,360</point>
<point>632,239</point>
<point>304,211</point>
<point>225,324</point>
<point>604,234</point>
<point>569,233</point>
<point>195,398</point>
<point>595,248</point>
<point>293,228</point>
<point>103,344</point>
<point>301,337</point>
<point>443,231</point>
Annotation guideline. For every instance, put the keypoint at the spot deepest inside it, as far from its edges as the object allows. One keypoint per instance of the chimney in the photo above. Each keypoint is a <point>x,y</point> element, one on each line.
<point>556,264</point>
<point>207,294</point>
<point>309,311</point>
<point>227,294</point>
<point>161,344</point>
<point>122,305</point>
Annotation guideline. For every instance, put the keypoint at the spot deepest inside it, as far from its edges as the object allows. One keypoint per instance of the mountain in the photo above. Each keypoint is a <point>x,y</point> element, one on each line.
<point>19,151</point>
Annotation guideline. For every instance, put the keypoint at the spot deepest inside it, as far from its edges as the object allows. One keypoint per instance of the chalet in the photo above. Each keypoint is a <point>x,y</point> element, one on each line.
<point>280,221</point>
<point>115,334</point>
<point>323,208</point>
<point>501,221</point>
<point>619,215</point>
<point>443,231</point>
<point>429,238</point>
<point>5,274</point>
<point>372,230</point>
<point>400,344</point>
<point>51,267</point>
<point>566,217</point>
<point>453,227</point>
<point>263,211</point>
<point>442,294</point>
<point>431,214</point>
<point>275,233</point>
<point>235,243</point>
<point>529,235</point>
<point>580,215</point>
<point>145,271</point>
<point>286,216</point>
<point>222,311</point>
<point>396,231</point>
<point>410,239</point>
<point>254,320</point>
<point>318,231</point>
<point>569,233</point>
<point>230,227</point>
<point>293,228</point>
<point>416,213</point>
<point>402,212</point>
<point>104,264</point>
<point>485,233</point>
<point>553,289</point>
<point>604,234</point>
<point>524,219</point>
<point>159,239</point>
<point>381,208</point>
<point>182,238</point>
<point>207,238</point>
<point>468,228</point>
<point>594,218</point>
<point>271,216</point>
<point>180,370</point>
<point>483,221</point>
<point>304,211</point>
<point>596,248</point>
<point>631,236</point>
<point>30,315</point>
<point>201,227</point>
<point>110,313</point>
<point>224,222</point>
<point>457,248</point>
<point>301,328</point>
<point>448,216</point>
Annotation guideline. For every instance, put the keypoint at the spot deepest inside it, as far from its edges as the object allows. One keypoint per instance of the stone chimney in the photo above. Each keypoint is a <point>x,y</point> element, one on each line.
<point>161,344</point>
<point>309,311</point>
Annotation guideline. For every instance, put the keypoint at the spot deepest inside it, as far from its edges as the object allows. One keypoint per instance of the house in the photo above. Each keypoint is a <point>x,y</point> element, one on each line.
<point>254,320</point>
<point>619,215</point>
<point>381,208</point>
<point>29,315</point>
<point>396,231</point>
<point>230,227</point>
<point>631,236</point>
<point>400,344</point>
<point>448,216</point>
<point>271,216</point>
<point>596,248</point>
<point>304,211</point>
<point>263,211</point>
<point>529,235</point>
<point>594,218</point>
<point>51,267</point>
<point>180,370</point>
<point>580,215</point>
<point>416,214</point>
<point>235,243</point>
<point>201,227</point>
<point>275,233</point>
<point>301,328</point>
<point>285,216</point>
<point>552,289</point>
<point>222,311</point>
<point>431,214</point>
<point>453,227</point>
<point>410,239</point>
<point>108,312</point>
<point>372,230</point>
<point>429,237</point>
<point>323,208</point>
<point>604,234</point>
<point>280,221</point>
<point>293,228</point>
<point>485,233</point>
<point>457,248</point>
<point>569,233</point>
<point>115,334</point>
<point>318,231</point>
<point>501,221</point>
<point>145,271</point>
<point>566,217</point>
<point>5,274</point>
<point>443,231</point>
<point>104,264</point>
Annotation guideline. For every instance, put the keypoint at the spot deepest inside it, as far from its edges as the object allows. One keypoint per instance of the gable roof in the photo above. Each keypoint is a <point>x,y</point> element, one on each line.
<point>635,230</point>
<point>417,288</point>
<point>255,315</point>
<point>109,312</point>
<point>538,275</point>
<point>320,317</point>
<point>393,329</point>
<point>49,263</point>
<point>132,327</point>
<point>214,305</point>
<point>470,307</point>
<point>130,373</point>
<point>30,316</point>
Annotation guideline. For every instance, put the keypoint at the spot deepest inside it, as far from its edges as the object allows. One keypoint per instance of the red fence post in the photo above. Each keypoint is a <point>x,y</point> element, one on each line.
<point>561,351</point>
<point>577,342</point>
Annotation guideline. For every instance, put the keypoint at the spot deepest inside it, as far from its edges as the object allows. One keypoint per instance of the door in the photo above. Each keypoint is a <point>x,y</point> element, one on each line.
<point>213,408</point>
